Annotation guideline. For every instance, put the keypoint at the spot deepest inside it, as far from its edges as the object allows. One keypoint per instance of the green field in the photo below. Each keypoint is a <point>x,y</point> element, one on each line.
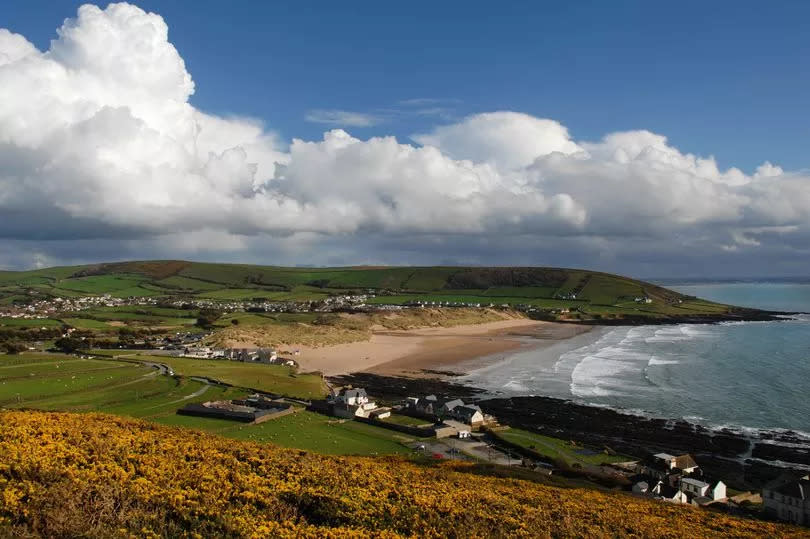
<point>276,379</point>
<point>27,378</point>
<point>87,323</point>
<point>308,430</point>
<point>29,322</point>
<point>559,450</point>
<point>408,421</point>
<point>100,284</point>
<point>59,382</point>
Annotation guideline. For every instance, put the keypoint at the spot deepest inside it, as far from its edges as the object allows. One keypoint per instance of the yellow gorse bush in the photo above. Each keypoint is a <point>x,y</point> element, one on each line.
<point>97,475</point>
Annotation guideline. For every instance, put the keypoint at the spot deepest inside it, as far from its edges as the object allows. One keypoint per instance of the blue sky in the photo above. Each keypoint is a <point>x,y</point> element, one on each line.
<point>647,138</point>
<point>723,78</point>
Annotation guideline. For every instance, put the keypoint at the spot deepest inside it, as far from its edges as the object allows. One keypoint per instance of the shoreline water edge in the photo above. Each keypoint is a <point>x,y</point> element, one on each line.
<point>749,457</point>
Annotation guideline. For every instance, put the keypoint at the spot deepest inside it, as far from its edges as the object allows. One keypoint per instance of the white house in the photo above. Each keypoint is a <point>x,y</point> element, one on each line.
<point>352,397</point>
<point>350,403</point>
<point>701,489</point>
<point>662,464</point>
<point>694,487</point>
<point>717,491</point>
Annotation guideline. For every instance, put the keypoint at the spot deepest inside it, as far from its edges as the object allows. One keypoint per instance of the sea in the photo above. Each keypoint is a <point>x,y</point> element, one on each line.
<point>740,375</point>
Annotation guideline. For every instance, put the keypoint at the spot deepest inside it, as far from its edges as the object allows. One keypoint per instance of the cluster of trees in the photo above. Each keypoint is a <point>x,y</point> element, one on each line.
<point>13,340</point>
<point>208,317</point>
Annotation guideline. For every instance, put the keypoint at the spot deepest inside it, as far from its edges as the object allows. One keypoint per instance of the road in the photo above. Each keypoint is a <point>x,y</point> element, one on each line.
<point>473,449</point>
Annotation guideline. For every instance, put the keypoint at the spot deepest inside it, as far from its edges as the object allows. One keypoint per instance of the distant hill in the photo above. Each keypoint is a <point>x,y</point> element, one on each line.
<point>92,475</point>
<point>587,294</point>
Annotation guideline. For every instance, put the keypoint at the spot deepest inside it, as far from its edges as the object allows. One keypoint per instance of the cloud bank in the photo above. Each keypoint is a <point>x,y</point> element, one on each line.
<point>103,156</point>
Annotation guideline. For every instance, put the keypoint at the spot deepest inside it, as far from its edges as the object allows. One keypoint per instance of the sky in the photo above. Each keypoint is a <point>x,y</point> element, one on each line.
<point>647,139</point>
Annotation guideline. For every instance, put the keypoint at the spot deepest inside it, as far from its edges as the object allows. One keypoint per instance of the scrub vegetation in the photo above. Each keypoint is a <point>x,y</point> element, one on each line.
<point>71,475</point>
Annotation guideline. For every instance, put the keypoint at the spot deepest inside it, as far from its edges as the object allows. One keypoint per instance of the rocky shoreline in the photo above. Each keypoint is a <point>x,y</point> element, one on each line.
<point>744,460</point>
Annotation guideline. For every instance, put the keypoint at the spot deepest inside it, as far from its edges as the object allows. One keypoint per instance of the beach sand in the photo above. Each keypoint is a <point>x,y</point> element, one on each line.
<point>416,353</point>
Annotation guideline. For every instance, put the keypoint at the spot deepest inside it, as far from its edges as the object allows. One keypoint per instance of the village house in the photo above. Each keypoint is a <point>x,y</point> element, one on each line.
<point>427,406</point>
<point>455,409</point>
<point>469,414</point>
<point>788,499</point>
<point>351,403</point>
<point>662,465</point>
<point>702,493</point>
<point>354,397</point>
<point>446,409</point>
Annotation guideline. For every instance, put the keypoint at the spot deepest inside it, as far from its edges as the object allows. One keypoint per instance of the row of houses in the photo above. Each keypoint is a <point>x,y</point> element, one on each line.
<point>679,479</point>
<point>247,355</point>
<point>455,409</point>
<point>676,479</point>
<point>448,419</point>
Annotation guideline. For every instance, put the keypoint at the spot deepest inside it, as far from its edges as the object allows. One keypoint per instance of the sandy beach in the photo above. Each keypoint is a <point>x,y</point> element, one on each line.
<point>413,352</point>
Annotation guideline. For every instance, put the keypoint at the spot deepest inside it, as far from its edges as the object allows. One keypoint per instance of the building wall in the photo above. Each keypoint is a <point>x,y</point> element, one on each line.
<point>791,509</point>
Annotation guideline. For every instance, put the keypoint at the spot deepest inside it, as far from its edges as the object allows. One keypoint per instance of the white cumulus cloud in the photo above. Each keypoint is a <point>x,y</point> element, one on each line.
<point>98,139</point>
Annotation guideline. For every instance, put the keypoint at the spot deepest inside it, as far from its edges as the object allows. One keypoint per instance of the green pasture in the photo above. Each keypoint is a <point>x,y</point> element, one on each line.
<point>405,420</point>
<point>322,434</point>
<point>29,322</point>
<point>276,379</point>
<point>559,450</point>
<point>47,377</point>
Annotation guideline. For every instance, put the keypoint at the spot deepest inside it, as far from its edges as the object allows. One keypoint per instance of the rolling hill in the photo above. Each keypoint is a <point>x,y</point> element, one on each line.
<point>587,294</point>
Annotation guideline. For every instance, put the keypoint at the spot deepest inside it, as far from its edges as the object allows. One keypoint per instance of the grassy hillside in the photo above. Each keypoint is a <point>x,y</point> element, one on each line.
<point>70,383</point>
<point>590,294</point>
<point>66,475</point>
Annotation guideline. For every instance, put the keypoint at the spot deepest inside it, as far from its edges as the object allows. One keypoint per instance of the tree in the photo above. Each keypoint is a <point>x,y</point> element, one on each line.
<point>207,317</point>
<point>12,347</point>
<point>70,345</point>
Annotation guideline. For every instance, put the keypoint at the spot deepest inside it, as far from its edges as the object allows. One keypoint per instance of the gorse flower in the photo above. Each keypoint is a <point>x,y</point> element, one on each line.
<point>97,475</point>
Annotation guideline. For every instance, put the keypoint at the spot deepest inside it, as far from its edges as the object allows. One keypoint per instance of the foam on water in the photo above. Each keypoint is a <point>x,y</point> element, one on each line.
<point>746,375</point>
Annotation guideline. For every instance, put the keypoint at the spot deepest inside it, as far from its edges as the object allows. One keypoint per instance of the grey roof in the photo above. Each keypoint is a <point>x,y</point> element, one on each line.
<point>466,411</point>
<point>359,392</point>
<point>698,483</point>
<point>453,403</point>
